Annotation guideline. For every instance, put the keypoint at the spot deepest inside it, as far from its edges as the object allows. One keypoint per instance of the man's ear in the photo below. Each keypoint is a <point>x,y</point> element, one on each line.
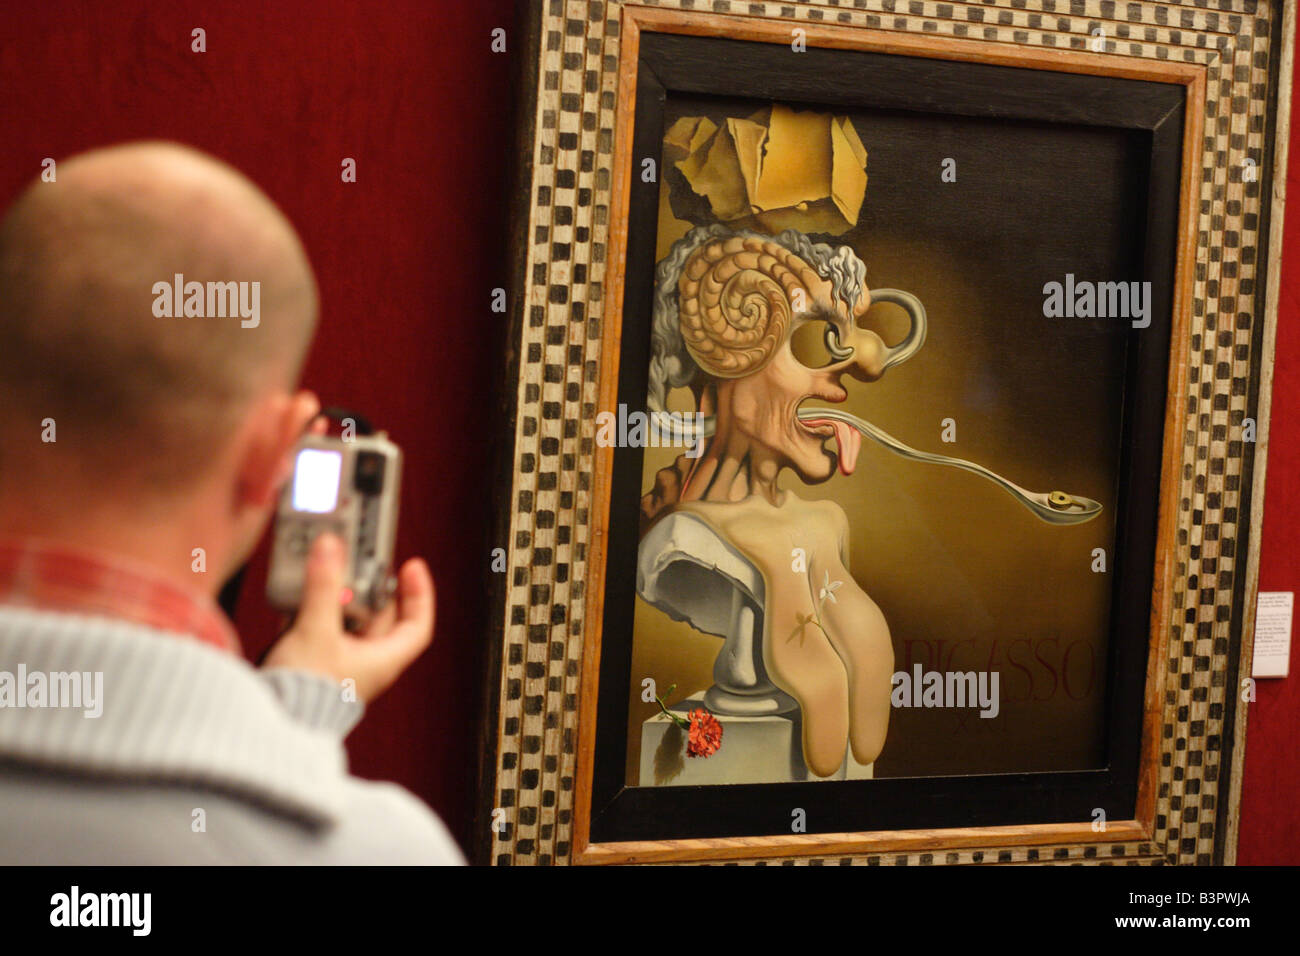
<point>275,427</point>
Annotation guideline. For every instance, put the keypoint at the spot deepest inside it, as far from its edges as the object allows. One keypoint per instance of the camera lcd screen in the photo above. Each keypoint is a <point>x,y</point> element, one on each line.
<point>316,480</point>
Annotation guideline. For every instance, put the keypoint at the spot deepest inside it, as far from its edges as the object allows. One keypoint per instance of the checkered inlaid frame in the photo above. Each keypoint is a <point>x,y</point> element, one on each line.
<point>537,647</point>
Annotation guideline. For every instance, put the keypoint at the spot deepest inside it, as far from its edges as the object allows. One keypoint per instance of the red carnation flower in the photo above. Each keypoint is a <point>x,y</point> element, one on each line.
<point>705,734</point>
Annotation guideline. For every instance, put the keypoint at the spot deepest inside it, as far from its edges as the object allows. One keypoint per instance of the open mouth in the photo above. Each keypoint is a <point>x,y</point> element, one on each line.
<point>848,440</point>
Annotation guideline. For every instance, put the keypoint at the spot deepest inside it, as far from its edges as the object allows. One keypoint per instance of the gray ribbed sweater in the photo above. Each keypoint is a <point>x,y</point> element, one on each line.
<point>196,758</point>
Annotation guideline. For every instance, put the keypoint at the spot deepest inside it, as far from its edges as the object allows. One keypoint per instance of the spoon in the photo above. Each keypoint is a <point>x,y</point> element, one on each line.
<point>1054,507</point>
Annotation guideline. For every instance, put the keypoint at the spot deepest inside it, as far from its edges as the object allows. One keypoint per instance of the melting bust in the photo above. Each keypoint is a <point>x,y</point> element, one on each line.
<point>771,575</point>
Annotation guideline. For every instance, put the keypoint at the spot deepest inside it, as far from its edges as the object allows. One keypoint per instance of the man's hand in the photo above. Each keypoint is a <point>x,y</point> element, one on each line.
<point>317,641</point>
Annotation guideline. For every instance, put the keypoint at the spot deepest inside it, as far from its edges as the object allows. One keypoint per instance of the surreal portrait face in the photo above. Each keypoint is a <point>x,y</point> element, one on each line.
<point>764,327</point>
<point>762,407</point>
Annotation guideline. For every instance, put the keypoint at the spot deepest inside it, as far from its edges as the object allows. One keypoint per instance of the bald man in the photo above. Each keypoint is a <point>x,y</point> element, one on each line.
<point>131,728</point>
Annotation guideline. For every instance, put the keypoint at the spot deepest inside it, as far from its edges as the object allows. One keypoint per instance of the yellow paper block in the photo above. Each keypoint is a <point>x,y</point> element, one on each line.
<point>777,169</point>
<point>849,173</point>
<point>749,137</point>
<point>685,135</point>
<point>797,161</point>
<point>696,148</point>
<point>718,177</point>
<point>821,216</point>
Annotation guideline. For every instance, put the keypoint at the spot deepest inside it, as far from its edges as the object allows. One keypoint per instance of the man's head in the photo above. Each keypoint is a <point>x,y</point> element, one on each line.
<point>182,419</point>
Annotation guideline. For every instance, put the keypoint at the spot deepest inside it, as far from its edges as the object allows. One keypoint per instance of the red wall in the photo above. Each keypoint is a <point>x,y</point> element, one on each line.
<point>406,259</point>
<point>1270,819</point>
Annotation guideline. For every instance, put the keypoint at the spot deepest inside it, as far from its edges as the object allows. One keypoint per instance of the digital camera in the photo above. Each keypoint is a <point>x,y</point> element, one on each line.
<point>350,487</point>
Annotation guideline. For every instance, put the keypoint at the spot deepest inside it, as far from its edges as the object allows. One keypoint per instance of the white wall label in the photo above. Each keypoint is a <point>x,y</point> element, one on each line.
<point>1273,633</point>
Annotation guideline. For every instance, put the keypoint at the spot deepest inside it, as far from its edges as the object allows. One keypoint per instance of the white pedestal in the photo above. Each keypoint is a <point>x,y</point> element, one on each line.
<point>763,749</point>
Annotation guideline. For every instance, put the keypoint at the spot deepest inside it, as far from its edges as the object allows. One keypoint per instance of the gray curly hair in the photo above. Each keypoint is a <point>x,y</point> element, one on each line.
<point>671,365</point>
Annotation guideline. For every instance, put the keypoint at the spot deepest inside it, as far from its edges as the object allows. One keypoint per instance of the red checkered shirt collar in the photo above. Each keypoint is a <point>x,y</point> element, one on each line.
<point>55,577</point>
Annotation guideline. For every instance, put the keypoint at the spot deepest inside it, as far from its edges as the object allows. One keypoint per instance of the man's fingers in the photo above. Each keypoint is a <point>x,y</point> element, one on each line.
<point>390,651</point>
<point>415,608</point>
<point>321,607</point>
<point>376,658</point>
<point>381,623</point>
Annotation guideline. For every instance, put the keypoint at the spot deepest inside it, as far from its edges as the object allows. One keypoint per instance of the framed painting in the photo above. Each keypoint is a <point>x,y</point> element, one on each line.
<point>891,394</point>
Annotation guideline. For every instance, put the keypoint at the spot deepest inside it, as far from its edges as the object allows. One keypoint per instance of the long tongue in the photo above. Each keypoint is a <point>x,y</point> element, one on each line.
<point>848,441</point>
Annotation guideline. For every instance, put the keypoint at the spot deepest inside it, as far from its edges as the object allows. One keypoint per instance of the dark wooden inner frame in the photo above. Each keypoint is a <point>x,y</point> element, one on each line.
<point>852,79</point>
<point>1166,101</point>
